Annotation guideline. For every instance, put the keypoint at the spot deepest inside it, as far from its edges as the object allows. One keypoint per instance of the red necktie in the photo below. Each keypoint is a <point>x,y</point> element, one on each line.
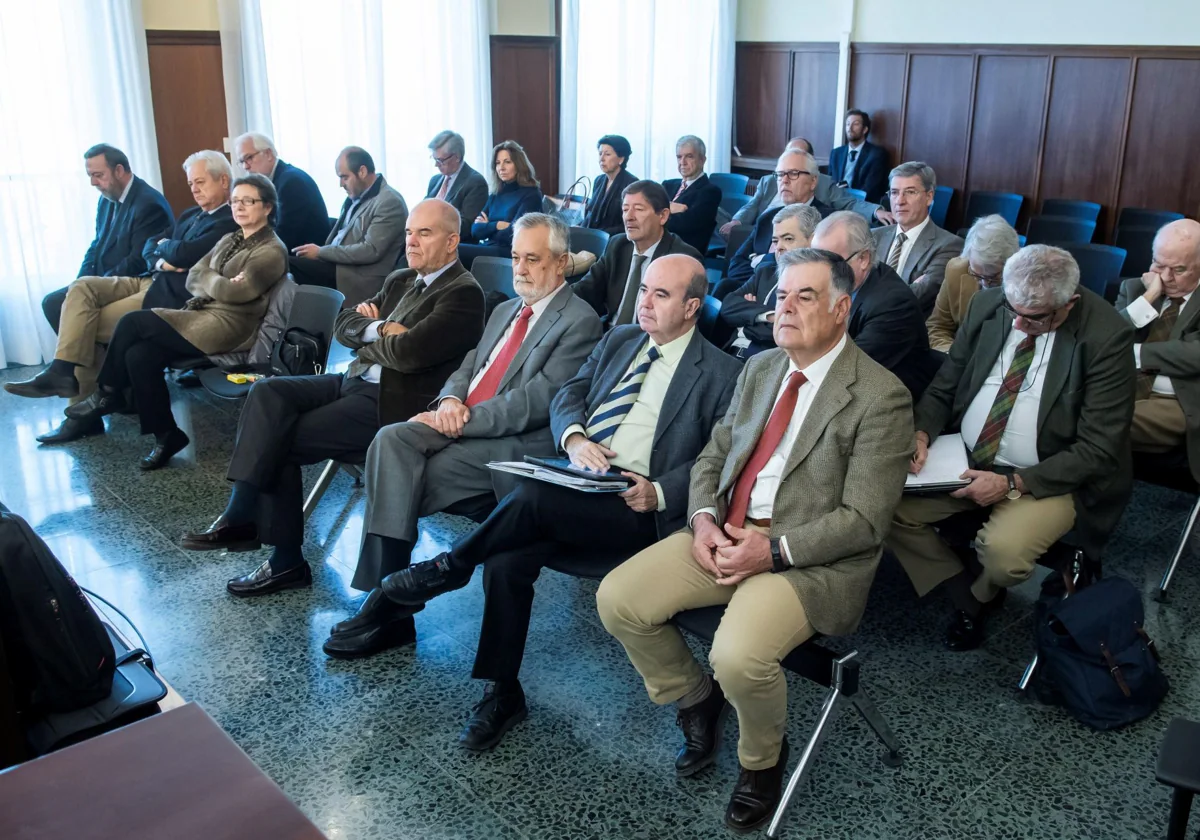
<point>682,187</point>
<point>486,389</point>
<point>768,442</point>
<point>445,183</point>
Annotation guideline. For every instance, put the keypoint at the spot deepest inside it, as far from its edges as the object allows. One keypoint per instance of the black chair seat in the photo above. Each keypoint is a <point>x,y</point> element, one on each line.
<point>1168,469</point>
<point>1179,757</point>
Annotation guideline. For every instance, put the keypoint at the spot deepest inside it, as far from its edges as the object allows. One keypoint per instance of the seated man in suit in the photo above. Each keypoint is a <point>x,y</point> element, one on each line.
<point>368,238</point>
<point>129,212</point>
<point>914,247</point>
<point>496,407</point>
<point>611,284</point>
<point>694,201</point>
<point>456,182</point>
<point>860,164</point>
<point>788,561</point>
<point>797,174</point>
<point>644,404</point>
<point>94,305</point>
<point>302,213</point>
<point>1040,383</point>
<point>1166,352</point>
<point>885,321</point>
<point>751,309</point>
<point>408,338</point>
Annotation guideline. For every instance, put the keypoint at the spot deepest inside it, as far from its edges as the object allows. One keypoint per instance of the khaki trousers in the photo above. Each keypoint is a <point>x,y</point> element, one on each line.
<point>763,622</point>
<point>1158,424</point>
<point>89,315</point>
<point>1016,534</point>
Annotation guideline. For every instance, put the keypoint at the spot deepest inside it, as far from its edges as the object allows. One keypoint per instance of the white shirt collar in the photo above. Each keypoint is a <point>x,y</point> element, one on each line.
<point>854,148</point>
<point>818,370</point>
<point>912,233</point>
<point>274,166</point>
<point>649,252</point>
<point>430,278</point>
<point>541,306</point>
<point>125,192</point>
<point>218,207</point>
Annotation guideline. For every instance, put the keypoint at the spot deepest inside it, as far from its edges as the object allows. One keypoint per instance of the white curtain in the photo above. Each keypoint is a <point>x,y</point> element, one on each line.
<point>73,73</point>
<point>651,71</point>
<point>386,75</point>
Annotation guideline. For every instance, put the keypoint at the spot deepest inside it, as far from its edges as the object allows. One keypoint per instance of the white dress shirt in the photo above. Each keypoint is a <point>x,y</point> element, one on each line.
<point>371,333</point>
<point>910,236</point>
<point>1018,444</point>
<point>1142,313</point>
<point>538,308</point>
<point>125,192</point>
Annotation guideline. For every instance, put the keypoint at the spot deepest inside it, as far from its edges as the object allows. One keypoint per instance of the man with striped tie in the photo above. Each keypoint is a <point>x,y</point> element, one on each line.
<point>644,403</point>
<point>1040,381</point>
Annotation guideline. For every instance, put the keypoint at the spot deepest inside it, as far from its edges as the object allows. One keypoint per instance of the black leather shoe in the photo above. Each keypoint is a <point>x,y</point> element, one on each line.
<point>756,795</point>
<point>72,429</point>
<point>171,444</point>
<point>45,384</point>
<point>498,712</point>
<point>221,534</point>
<point>422,581</point>
<point>701,725</point>
<point>373,611</point>
<point>262,582</point>
<point>373,640</point>
<point>99,404</point>
<point>965,632</point>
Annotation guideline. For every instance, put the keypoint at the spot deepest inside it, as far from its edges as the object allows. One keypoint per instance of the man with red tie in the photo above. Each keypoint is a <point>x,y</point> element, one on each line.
<point>495,407</point>
<point>788,506</point>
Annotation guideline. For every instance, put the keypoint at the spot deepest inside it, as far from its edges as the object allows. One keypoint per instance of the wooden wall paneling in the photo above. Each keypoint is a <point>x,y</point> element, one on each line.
<point>937,117</point>
<point>525,96</point>
<point>1007,125</point>
<point>813,111</point>
<point>878,82</point>
<point>763,78</point>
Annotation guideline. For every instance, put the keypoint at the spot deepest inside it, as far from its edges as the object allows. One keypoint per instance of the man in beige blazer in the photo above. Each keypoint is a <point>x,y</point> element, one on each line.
<point>788,506</point>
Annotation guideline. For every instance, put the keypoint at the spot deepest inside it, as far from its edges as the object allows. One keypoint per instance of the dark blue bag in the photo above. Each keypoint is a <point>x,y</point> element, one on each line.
<point>1095,660</point>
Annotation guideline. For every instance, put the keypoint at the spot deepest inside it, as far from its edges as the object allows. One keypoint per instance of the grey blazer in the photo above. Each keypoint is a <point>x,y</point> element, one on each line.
<point>841,482</point>
<point>468,194</point>
<point>928,256</point>
<point>695,402</point>
<point>827,192</point>
<point>371,246</point>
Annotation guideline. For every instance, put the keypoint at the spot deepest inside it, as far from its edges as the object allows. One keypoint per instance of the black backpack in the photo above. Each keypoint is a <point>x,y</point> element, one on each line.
<point>60,656</point>
<point>297,353</point>
<point>1095,659</point>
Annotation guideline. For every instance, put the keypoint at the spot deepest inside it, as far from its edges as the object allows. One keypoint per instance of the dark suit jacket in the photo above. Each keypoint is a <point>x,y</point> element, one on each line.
<point>870,172</point>
<point>1085,410</point>
<point>303,216</point>
<point>604,284</point>
<point>444,323</point>
<point>467,195</point>
<point>738,312</point>
<point>195,234</point>
<point>604,207</point>
<point>695,402</point>
<point>759,242</point>
<point>696,224</point>
<point>122,230</point>
<point>886,324</point>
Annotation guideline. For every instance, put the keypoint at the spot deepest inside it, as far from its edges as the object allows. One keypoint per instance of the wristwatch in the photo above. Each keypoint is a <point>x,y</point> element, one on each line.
<point>778,563</point>
<point>1013,493</point>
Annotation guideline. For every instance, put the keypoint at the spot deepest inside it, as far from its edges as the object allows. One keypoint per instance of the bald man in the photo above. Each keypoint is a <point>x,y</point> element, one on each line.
<point>1159,304</point>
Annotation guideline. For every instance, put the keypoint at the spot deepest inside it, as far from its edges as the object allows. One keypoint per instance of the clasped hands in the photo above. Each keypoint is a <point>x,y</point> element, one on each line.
<point>641,497</point>
<point>731,554</point>
<point>986,487</point>
<point>448,419</point>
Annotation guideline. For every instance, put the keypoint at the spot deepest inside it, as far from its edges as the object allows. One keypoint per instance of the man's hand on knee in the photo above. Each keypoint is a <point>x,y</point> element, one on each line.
<point>748,555</point>
<point>707,538</point>
<point>450,417</point>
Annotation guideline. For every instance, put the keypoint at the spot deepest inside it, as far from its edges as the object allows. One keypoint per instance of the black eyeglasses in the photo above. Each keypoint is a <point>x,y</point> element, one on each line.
<point>1033,319</point>
<point>790,174</point>
<point>984,280</point>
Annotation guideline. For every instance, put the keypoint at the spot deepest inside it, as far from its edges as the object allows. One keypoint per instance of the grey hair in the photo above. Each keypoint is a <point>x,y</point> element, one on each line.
<point>807,215</point>
<point>560,235</point>
<point>916,167</point>
<point>1040,277</point>
<point>810,163</point>
<point>990,242</point>
<point>858,232</point>
<point>260,141</point>
<point>452,140</point>
<point>693,141</point>
<point>697,286</point>
<point>841,275</point>
<point>215,162</point>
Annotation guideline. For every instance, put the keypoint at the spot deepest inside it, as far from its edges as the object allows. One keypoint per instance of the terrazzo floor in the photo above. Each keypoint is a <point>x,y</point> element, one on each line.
<point>367,749</point>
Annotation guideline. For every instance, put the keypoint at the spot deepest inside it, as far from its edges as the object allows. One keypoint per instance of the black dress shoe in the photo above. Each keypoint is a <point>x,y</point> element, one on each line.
<point>422,581</point>
<point>262,582</point>
<point>221,534</point>
<point>499,711</point>
<point>374,611</point>
<point>756,795</point>
<point>373,640</point>
<point>965,631</point>
<point>99,404</point>
<point>45,384</point>
<point>701,725</point>
<point>72,429</point>
<point>166,448</point>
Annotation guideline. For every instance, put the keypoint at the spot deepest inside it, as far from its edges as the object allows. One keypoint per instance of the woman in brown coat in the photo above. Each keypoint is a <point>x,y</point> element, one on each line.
<point>229,288</point>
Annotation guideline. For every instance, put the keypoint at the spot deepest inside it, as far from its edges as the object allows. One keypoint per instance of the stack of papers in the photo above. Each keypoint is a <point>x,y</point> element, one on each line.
<point>946,462</point>
<point>561,472</point>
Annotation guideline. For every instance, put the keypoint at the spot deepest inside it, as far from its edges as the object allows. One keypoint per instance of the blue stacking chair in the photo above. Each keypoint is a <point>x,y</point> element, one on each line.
<point>941,205</point>
<point>586,239</point>
<point>1056,230</point>
<point>1070,208</point>
<point>1099,267</point>
<point>861,195</point>
<point>494,274</point>
<point>1138,242</point>
<point>1141,217</point>
<point>730,183</point>
<point>730,204</point>
<point>985,203</point>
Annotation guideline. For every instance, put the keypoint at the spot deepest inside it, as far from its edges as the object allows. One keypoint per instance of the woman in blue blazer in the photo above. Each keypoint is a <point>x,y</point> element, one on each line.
<point>515,192</point>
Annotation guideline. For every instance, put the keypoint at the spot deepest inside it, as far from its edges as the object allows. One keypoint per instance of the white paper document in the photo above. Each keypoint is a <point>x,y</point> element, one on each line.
<point>946,462</point>
<point>599,484</point>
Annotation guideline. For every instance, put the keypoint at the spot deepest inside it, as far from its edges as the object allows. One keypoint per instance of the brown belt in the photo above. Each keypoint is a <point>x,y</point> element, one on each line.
<point>761,523</point>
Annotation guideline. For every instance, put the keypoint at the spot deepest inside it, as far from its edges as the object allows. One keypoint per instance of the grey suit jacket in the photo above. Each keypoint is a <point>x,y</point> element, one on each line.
<point>927,257</point>
<point>695,402</point>
<point>468,194</point>
<point>371,246</point>
<point>840,484</point>
<point>827,192</point>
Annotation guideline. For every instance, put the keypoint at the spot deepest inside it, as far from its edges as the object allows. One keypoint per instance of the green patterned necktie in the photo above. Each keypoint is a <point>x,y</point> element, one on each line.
<point>983,454</point>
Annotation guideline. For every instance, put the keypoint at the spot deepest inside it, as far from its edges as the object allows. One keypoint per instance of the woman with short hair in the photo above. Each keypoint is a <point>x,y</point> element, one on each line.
<point>604,205</point>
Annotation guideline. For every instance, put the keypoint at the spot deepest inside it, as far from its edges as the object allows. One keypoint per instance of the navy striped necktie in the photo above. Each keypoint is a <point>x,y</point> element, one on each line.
<point>612,412</point>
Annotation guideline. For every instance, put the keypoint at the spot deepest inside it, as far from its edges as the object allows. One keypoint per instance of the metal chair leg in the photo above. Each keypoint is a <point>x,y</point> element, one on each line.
<point>355,472</point>
<point>1027,675</point>
<point>1161,595</point>
<point>879,726</point>
<point>323,482</point>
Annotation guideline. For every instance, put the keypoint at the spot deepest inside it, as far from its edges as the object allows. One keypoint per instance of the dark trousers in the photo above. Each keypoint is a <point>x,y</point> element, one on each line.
<point>142,346</point>
<point>288,422</point>
<point>308,272</point>
<point>534,525</point>
<point>52,307</point>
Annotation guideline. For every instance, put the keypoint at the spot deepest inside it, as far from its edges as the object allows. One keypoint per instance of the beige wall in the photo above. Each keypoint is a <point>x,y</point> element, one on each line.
<point>793,20</point>
<point>180,14</point>
<point>523,17</point>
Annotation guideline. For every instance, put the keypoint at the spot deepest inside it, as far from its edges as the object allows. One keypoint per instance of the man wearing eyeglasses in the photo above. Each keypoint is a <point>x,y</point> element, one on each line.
<point>1040,383</point>
<point>303,216</point>
<point>456,182</point>
<point>1159,305</point>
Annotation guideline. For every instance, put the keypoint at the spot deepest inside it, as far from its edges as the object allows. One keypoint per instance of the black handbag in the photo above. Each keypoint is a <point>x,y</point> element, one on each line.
<point>297,353</point>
